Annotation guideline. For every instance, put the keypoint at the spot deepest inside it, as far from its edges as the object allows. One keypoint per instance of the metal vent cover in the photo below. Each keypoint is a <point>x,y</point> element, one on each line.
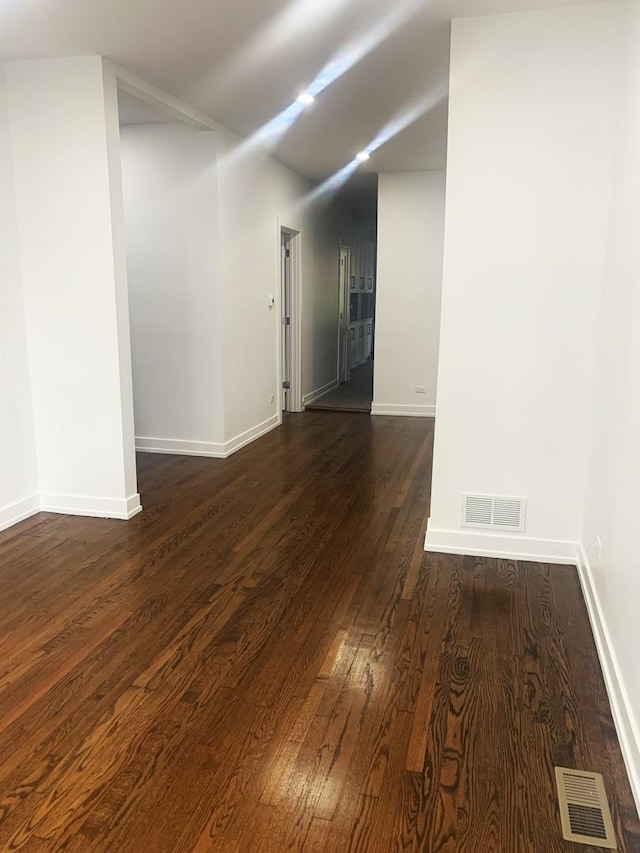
<point>584,810</point>
<point>494,511</point>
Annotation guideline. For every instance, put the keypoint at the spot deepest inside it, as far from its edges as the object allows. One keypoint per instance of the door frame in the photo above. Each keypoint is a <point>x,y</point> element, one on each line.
<point>343,306</point>
<point>294,399</point>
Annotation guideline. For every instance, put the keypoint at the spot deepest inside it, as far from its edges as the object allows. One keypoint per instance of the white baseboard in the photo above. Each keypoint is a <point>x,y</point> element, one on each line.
<point>319,392</point>
<point>627,726</point>
<point>403,410</point>
<point>475,543</point>
<point>179,447</point>
<point>252,434</point>
<point>18,511</point>
<point>86,505</point>
<point>480,544</point>
<point>216,450</point>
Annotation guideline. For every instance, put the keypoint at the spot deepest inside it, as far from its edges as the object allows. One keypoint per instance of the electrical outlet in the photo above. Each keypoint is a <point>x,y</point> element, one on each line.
<point>421,389</point>
<point>599,547</point>
<point>272,398</point>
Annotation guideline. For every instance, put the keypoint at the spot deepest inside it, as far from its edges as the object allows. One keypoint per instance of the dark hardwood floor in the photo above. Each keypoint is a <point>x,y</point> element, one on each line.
<point>265,659</point>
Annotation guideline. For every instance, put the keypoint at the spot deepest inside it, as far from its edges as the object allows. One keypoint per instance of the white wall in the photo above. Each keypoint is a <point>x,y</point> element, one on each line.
<point>257,194</point>
<point>532,119</point>
<point>60,114</point>
<point>409,288</point>
<point>325,227</point>
<point>203,256</point>
<point>18,472</point>
<point>612,503</point>
<point>171,209</point>
<point>67,172</point>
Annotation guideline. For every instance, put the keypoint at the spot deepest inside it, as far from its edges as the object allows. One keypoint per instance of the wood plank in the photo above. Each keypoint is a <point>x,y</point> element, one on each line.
<point>266,659</point>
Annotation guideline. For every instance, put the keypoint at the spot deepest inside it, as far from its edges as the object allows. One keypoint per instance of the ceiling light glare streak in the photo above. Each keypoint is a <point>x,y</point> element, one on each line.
<point>357,49</point>
<point>269,135</point>
<point>407,117</point>
<point>335,182</point>
<point>273,131</point>
<point>325,191</point>
<point>276,37</point>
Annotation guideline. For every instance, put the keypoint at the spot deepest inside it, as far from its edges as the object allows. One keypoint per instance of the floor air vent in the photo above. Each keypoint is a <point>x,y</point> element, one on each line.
<point>498,513</point>
<point>584,810</point>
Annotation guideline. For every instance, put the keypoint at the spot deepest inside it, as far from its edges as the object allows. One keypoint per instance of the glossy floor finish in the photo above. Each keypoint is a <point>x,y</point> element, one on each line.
<point>265,659</point>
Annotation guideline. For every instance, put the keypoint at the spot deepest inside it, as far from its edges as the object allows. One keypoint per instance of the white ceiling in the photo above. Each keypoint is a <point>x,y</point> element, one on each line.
<point>243,61</point>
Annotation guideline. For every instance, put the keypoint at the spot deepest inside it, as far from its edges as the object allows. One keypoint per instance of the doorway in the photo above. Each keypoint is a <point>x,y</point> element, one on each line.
<point>343,315</point>
<point>355,299</point>
<point>290,344</point>
<point>356,328</point>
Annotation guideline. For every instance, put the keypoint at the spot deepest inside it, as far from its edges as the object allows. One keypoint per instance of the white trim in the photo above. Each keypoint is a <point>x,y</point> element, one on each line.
<point>297,296</point>
<point>479,544</point>
<point>215,450</point>
<point>319,392</point>
<point>124,508</point>
<point>87,505</point>
<point>627,726</point>
<point>252,434</point>
<point>404,410</point>
<point>556,551</point>
<point>343,334</point>
<point>18,511</point>
<point>179,447</point>
<point>296,269</point>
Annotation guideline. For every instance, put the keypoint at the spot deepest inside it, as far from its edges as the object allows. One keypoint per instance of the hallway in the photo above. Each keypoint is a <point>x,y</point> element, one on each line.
<point>356,395</point>
<point>266,659</point>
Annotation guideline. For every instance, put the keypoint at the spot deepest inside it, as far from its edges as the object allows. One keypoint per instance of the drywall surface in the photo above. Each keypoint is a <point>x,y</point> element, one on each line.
<point>171,222</point>
<point>257,196</point>
<point>409,288</point>
<point>18,470</point>
<point>611,507</point>
<point>202,218</point>
<point>59,113</point>
<point>533,106</point>
<point>325,226</point>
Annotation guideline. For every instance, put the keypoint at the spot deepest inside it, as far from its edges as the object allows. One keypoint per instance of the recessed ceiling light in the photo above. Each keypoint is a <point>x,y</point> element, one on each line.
<point>306,98</point>
<point>362,156</point>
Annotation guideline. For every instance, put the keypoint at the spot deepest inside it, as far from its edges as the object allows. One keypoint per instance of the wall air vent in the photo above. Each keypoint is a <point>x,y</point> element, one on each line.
<point>584,810</point>
<point>494,511</point>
